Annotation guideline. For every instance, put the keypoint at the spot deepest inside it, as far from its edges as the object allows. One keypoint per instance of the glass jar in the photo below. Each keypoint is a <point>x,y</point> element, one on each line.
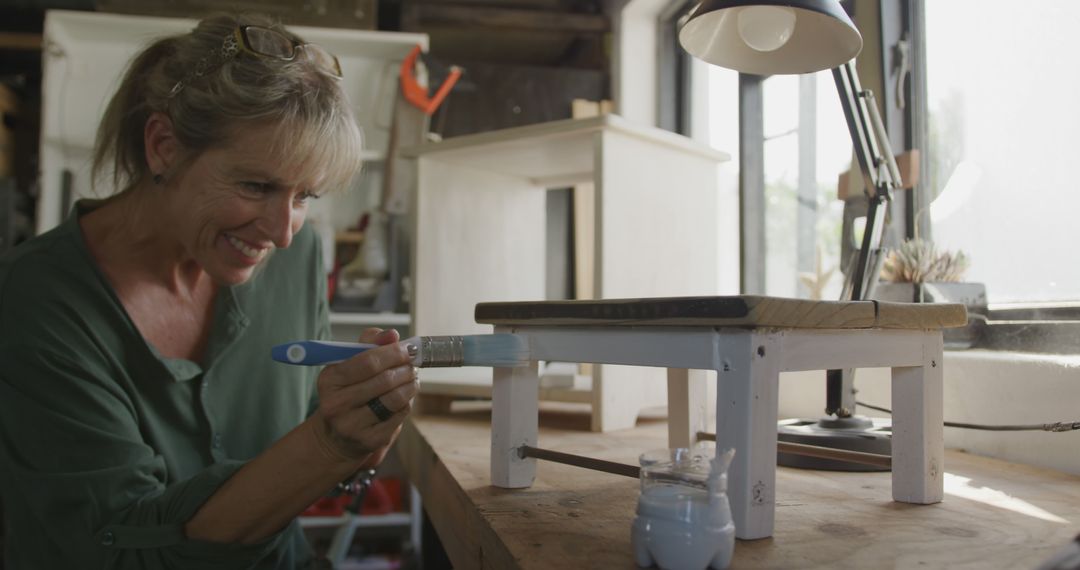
<point>683,517</point>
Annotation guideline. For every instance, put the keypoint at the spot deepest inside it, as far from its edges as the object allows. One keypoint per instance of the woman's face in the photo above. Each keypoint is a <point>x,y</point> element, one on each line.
<point>237,202</point>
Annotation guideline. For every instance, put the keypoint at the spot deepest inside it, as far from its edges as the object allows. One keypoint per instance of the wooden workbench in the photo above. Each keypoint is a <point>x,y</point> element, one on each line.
<point>995,514</point>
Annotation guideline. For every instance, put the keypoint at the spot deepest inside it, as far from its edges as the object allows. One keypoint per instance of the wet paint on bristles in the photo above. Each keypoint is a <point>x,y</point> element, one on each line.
<point>498,350</point>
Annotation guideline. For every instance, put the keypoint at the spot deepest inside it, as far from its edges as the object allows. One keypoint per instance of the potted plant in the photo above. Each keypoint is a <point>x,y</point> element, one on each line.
<point>917,272</point>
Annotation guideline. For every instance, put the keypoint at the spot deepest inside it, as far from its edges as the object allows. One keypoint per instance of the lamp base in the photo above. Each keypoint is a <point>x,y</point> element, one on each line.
<point>857,433</point>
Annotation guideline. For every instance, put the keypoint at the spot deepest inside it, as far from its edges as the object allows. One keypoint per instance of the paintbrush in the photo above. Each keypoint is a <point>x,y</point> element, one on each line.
<point>496,350</point>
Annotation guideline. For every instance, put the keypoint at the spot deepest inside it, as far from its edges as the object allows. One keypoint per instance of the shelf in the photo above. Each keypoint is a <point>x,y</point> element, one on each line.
<point>552,154</point>
<point>395,319</point>
<point>389,519</point>
<point>18,41</point>
<point>467,389</point>
<point>452,382</point>
<point>372,155</point>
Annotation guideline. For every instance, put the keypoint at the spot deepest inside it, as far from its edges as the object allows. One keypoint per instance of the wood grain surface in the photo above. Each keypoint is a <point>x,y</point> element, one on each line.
<point>995,514</point>
<point>737,310</point>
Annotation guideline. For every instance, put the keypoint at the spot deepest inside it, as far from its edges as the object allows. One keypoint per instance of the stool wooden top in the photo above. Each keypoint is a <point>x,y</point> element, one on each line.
<point>751,311</point>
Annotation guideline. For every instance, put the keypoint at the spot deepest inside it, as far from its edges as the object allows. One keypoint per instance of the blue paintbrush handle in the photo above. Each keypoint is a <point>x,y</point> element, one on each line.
<point>495,350</point>
<point>317,352</point>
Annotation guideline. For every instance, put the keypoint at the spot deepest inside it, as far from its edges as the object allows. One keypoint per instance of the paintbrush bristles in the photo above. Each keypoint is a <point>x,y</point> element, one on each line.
<point>496,350</point>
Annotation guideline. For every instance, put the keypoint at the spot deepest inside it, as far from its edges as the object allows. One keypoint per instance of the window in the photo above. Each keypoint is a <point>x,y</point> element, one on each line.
<point>1003,102</point>
<point>807,146</point>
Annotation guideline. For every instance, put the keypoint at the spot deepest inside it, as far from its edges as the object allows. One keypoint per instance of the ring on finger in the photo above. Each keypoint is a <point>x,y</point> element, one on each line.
<point>379,409</point>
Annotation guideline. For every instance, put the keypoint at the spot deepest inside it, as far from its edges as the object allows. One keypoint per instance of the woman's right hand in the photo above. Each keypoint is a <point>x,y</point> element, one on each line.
<point>345,426</point>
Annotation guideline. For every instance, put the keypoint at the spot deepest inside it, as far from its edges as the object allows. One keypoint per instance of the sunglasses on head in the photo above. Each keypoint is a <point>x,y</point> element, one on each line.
<point>261,42</point>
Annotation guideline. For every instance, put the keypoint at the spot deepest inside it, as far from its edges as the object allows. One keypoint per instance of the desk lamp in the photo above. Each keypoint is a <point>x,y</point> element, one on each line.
<point>769,37</point>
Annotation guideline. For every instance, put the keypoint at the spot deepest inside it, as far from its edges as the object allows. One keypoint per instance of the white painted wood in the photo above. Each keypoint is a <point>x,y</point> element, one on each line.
<point>747,382</point>
<point>480,230</point>
<point>514,422</point>
<point>372,319</point>
<point>978,384</point>
<point>584,214</point>
<point>655,230</point>
<point>635,58</point>
<point>479,237</point>
<point>579,395</point>
<point>815,349</point>
<point>621,392</point>
<point>560,375</point>
<point>981,384</point>
<point>669,347</point>
<point>636,255</point>
<point>748,364</point>
<point>584,241</point>
<point>555,147</point>
<point>918,445</point>
<point>562,180</point>
<point>688,405</point>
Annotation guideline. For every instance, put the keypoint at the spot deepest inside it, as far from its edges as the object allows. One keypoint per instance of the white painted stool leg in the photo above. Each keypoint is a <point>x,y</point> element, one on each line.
<point>746,398</point>
<point>687,413</point>
<point>514,422</point>
<point>918,445</point>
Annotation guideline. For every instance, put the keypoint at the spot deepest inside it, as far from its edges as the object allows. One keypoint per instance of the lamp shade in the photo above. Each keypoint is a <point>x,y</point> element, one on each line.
<point>768,37</point>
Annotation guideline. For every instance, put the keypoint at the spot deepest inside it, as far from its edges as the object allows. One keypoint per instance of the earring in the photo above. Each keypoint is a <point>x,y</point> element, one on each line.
<point>159,179</point>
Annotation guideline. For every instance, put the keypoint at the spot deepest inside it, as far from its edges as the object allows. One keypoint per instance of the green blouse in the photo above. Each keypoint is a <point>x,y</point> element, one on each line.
<point>108,448</point>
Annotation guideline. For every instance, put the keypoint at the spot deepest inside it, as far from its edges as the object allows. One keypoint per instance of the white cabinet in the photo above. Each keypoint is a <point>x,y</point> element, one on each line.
<point>480,236</point>
<point>85,56</point>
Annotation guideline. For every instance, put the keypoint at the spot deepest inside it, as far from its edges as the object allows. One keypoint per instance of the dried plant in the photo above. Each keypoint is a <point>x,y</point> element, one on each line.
<point>815,282</point>
<point>919,261</point>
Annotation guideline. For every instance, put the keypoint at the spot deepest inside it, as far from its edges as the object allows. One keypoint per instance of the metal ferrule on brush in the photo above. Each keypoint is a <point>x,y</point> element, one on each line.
<point>441,351</point>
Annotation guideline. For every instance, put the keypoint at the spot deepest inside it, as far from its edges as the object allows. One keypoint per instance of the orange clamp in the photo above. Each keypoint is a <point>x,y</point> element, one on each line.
<point>416,94</point>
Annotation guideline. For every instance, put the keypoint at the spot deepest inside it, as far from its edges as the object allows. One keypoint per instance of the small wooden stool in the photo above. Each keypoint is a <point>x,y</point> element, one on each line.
<point>748,340</point>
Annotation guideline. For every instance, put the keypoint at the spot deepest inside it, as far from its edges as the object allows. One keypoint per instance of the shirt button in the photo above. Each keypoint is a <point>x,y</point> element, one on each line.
<point>217,441</point>
<point>108,538</point>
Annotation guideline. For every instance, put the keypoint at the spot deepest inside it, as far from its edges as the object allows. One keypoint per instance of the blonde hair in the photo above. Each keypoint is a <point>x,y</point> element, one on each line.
<point>311,117</point>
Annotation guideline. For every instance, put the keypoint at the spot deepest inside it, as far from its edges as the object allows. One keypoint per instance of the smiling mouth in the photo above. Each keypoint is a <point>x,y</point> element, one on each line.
<point>244,248</point>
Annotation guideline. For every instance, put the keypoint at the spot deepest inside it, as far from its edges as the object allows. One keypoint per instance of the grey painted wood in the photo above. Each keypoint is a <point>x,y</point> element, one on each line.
<point>751,185</point>
<point>806,205</point>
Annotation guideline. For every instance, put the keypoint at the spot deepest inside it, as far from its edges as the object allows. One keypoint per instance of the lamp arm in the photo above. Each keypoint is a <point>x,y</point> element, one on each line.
<point>870,142</point>
<point>876,162</point>
<point>896,180</point>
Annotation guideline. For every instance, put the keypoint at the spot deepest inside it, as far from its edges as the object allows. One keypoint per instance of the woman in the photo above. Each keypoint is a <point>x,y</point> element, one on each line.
<point>142,423</point>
